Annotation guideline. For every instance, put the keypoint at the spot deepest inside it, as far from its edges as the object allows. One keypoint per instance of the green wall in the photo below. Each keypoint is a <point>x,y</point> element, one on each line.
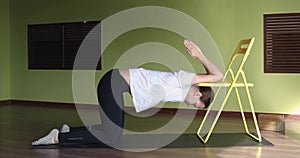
<point>4,50</point>
<point>228,21</point>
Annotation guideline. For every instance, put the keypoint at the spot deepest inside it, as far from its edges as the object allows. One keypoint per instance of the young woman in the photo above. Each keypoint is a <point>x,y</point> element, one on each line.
<point>147,88</point>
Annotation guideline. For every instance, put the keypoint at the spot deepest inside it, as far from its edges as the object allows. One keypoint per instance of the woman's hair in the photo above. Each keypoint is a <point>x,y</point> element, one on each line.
<point>207,95</point>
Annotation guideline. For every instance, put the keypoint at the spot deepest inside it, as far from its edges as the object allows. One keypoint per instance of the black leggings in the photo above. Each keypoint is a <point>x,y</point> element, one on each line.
<point>110,97</point>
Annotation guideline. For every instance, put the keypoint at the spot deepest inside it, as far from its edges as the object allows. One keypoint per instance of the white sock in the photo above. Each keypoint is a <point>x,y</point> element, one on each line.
<point>64,128</point>
<point>48,139</point>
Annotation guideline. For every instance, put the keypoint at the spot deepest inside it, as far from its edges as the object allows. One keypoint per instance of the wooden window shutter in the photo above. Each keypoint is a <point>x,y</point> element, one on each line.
<point>282,43</point>
<point>45,46</point>
<point>55,46</point>
<point>74,34</point>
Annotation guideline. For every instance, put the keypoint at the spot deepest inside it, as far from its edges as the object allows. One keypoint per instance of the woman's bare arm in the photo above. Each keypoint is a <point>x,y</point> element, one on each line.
<point>213,72</point>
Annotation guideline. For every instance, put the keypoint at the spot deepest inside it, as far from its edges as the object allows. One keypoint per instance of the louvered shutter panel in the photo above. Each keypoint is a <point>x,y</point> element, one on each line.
<point>74,34</point>
<point>55,46</point>
<point>282,43</point>
<point>45,46</point>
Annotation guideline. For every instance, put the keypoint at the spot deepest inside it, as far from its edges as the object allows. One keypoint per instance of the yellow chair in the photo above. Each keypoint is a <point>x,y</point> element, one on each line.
<point>243,48</point>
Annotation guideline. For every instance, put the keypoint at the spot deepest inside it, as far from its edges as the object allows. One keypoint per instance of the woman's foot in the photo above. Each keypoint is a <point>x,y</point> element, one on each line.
<point>51,138</point>
<point>64,128</point>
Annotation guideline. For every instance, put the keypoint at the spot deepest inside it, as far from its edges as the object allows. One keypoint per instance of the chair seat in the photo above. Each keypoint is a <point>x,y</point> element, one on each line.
<point>225,84</point>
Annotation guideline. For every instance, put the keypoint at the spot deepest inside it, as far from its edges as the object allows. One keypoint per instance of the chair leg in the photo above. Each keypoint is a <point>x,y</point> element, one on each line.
<point>258,138</point>
<point>253,115</point>
<point>204,140</point>
<point>241,110</point>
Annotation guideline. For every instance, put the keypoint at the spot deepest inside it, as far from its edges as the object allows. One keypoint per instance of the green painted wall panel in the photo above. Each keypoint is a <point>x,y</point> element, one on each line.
<point>228,21</point>
<point>4,51</point>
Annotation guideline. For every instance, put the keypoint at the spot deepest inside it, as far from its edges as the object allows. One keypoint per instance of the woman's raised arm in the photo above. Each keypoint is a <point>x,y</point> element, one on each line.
<point>213,72</point>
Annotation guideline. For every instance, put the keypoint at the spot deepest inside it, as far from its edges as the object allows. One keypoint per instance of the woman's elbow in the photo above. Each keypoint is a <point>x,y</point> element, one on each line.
<point>220,77</point>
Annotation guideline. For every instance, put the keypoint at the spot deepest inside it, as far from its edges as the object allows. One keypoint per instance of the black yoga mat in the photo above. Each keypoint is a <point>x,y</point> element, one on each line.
<point>183,141</point>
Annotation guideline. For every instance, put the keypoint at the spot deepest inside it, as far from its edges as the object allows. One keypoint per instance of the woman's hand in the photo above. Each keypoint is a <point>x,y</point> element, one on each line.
<point>193,50</point>
<point>213,72</point>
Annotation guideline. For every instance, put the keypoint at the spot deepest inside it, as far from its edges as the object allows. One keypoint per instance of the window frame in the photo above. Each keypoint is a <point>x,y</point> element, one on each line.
<point>62,57</point>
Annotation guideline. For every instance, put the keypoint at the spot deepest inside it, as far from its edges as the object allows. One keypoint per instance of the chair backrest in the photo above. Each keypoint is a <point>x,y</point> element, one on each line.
<point>243,48</point>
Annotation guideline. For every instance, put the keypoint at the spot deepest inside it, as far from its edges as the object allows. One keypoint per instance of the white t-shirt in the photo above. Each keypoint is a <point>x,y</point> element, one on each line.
<point>149,87</point>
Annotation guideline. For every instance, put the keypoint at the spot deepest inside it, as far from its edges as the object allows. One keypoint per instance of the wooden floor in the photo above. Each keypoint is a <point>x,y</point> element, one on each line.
<point>20,125</point>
